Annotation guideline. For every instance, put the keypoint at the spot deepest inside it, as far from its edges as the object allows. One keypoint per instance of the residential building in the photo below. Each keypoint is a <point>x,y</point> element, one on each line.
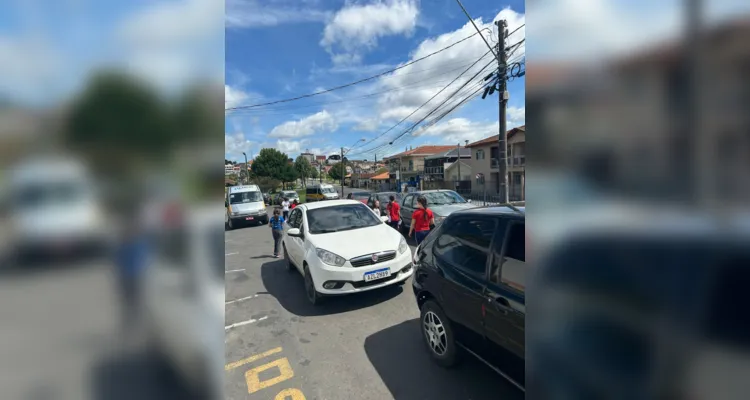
<point>485,163</point>
<point>309,156</point>
<point>333,159</point>
<point>408,167</point>
<point>381,182</point>
<point>435,165</point>
<point>228,169</point>
<point>320,159</point>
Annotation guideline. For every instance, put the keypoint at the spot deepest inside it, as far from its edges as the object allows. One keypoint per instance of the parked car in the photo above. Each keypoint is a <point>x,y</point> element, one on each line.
<point>469,285</point>
<point>267,198</point>
<point>244,204</point>
<point>384,198</point>
<point>441,202</point>
<point>362,197</point>
<point>289,194</point>
<point>183,294</point>
<point>331,244</point>
<point>320,192</point>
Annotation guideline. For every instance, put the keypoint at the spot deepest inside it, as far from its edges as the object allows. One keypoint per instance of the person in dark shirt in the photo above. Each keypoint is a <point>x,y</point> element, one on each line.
<point>277,230</point>
<point>421,220</point>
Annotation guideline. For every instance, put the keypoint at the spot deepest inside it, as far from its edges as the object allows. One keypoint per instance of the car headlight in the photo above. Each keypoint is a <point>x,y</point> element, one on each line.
<point>330,258</point>
<point>402,246</point>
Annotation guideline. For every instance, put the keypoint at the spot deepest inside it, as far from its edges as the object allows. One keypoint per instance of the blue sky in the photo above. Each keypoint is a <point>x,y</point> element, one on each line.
<point>288,48</point>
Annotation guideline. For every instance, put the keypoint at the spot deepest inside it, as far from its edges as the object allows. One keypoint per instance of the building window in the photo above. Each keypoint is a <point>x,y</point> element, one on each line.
<point>480,154</point>
<point>411,165</point>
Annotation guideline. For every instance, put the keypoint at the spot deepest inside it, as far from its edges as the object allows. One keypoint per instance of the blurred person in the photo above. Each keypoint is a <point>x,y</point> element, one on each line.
<point>131,260</point>
<point>285,205</point>
<point>422,219</point>
<point>350,196</point>
<point>294,204</point>
<point>376,207</point>
<point>393,212</point>
<point>277,230</point>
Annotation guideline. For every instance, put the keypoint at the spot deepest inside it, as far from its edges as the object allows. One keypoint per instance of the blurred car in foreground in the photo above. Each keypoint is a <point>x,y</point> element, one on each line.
<point>469,283</point>
<point>342,247</point>
<point>441,202</point>
<point>647,304</point>
<point>55,210</point>
<point>183,297</point>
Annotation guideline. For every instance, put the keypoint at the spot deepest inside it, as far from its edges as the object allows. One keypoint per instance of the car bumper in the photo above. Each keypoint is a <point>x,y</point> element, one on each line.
<point>256,216</point>
<point>351,280</point>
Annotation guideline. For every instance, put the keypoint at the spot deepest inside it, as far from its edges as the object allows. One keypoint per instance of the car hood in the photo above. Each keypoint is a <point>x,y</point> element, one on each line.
<point>358,242</point>
<point>248,207</point>
<point>447,209</point>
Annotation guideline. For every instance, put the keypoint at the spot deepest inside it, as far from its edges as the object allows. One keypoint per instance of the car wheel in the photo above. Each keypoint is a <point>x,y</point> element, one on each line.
<point>438,335</point>
<point>230,225</point>
<point>312,295</point>
<point>289,265</point>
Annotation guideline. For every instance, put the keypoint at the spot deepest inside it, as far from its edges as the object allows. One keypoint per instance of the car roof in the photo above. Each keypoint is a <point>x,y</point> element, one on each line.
<point>493,211</point>
<point>431,191</point>
<point>330,203</point>
<point>379,193</point>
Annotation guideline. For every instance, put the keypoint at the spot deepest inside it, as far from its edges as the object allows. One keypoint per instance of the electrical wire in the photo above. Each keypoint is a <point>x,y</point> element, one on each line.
<point>433,97</point>
<point>355,82</point>
<point>516,30</point>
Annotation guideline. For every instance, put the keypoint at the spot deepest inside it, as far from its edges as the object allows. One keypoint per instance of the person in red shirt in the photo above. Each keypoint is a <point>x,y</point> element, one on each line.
<point>393,212</point>
<point>295,203</point>
<point>421,220</point>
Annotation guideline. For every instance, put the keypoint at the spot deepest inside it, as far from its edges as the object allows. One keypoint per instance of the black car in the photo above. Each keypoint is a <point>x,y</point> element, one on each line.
<point>469,283</point>
<point>384,198</point>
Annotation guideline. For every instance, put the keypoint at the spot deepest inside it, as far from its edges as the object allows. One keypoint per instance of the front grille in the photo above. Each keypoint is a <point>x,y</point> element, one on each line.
<point>363,261</point>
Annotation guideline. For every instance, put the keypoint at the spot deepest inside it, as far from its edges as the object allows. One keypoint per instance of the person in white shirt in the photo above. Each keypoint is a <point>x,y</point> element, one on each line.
<point>285,208</point>
<point>376,207</point>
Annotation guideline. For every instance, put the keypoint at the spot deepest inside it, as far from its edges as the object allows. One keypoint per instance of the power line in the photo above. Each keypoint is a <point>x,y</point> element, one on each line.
<point>352,83</point>
<point>516,30</point>
<point>476,27</point>
<point>431,98</point>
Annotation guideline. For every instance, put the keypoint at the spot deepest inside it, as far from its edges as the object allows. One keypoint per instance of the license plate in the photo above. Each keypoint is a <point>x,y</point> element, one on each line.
<point>377,274</point>
<point>249,218</point>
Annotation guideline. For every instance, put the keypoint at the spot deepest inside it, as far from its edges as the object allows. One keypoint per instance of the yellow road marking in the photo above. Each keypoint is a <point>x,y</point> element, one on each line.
<point>253,380</point>
<point>250,359</point>
<point>290,394</point>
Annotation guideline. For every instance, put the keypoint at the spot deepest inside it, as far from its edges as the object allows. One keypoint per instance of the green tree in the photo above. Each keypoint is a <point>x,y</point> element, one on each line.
<point>271,163</point>
<point>314,173</point>
<point>304,169</point>
<point>338,171</point>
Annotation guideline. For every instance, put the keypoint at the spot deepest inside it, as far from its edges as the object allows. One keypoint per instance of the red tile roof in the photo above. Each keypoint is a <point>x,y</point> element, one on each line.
<point>381,177</point>
<point>422,151</point>
<point>493,139</point>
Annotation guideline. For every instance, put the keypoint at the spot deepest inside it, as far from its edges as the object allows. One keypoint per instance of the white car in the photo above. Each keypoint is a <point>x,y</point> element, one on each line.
<point>342,247</point>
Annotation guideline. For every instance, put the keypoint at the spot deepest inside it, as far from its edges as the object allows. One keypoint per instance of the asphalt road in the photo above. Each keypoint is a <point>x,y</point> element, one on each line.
<point>366,346</point>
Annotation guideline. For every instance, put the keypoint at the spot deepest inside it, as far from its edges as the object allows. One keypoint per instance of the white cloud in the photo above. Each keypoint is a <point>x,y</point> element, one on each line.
<point>174,43</point>
<point>253,14</point>
<point>398,104</point>
<point>356,28</point>
<point>30,68</point>
<point>310,125</point>
<point>236,143</point>
<point>457,130</point>
<point>368,125</point>
<point>516,116</point>
<point>234,97</point>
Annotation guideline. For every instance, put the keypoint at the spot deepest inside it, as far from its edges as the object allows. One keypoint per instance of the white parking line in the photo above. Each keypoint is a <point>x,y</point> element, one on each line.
<point>242,299</point>
<point>234,270</point>
<point>230,254</point>
<point>250,321</point>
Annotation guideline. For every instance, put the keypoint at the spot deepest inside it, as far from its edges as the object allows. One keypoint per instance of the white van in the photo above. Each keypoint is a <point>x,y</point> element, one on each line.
<point>321,192</point>
<point>54,209</point>
<point>245,204</point>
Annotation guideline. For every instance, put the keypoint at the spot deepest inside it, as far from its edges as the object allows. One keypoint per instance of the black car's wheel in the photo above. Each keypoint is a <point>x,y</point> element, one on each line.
<point>288,261</point>
<point>312,295</point>
<point>230,225</point>
<point>438,335</point>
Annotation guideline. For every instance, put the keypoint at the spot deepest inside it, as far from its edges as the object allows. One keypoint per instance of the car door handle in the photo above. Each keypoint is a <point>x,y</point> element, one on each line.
<point>501,302</point>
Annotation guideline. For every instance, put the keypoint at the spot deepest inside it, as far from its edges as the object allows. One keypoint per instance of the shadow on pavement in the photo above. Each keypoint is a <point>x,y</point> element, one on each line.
<point>135,375</point>
<point>289,289</point>
<point>400,358</point>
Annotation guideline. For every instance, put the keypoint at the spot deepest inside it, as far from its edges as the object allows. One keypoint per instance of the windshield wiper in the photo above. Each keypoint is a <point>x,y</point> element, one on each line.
<point>326,231</point>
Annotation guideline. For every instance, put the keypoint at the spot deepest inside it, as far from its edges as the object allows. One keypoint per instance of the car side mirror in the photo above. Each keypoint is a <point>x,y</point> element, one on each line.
<point>294,232</point>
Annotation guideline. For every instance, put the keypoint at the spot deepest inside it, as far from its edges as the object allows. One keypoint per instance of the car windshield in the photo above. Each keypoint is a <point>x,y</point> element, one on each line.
<point>386,197</point>
<point>50,194</point>
<point>341,218</point>
<point>327,190</point>
<point>245,197</point>
<point>361,195</point>
<point>289,194</point>
<point>443,198</point>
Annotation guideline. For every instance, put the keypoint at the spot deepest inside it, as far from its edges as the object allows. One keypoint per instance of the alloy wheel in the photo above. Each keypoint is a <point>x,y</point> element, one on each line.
<point>435,333</point>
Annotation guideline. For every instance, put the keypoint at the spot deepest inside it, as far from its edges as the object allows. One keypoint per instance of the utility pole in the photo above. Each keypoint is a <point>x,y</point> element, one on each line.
<point>458,160</point>
<point>502,29</point>
<point>247,172</point>
<point>343,172</point>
